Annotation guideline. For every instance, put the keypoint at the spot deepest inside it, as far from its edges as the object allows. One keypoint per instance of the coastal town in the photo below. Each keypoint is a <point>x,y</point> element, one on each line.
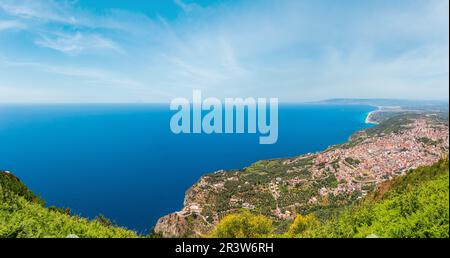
<point>341,174</point>
<point>377,159</point>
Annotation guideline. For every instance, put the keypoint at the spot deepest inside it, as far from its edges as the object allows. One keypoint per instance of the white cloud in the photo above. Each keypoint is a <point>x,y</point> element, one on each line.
<point>87,75</point>
<point>65,12</point>
<point>61,26</point>
<point>186,7</point>
<point>11,94</point>
<point>10,25</point>
<point>42,10</point>
<point>77,43</point>
<point>283,50</point>
<point>295,50</point>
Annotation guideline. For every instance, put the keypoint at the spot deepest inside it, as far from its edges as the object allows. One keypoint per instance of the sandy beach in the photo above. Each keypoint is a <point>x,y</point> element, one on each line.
<point>369,119</point>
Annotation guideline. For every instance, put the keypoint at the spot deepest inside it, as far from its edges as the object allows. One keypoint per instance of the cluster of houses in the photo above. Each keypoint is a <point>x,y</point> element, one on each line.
<point>381,158</point>
<point>369,162</point>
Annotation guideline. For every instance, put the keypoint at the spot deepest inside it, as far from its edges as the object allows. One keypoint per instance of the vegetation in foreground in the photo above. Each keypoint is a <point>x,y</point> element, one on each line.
<point>23,215</point>
<point>412,206</point>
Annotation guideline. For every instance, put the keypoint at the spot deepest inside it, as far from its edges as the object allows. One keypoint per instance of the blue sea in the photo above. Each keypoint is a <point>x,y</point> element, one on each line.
<point>124,162</point>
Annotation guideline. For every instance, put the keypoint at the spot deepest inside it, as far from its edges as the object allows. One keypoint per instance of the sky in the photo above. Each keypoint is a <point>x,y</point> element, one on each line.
<point>137,51</point>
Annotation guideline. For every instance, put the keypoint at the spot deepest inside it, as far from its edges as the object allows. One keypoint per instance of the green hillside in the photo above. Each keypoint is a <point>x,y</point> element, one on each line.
<point>412,206</point>
<point>22,215</point>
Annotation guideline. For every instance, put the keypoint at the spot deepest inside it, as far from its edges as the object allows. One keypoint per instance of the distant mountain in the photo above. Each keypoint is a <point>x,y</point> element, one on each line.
<point>441,105</point>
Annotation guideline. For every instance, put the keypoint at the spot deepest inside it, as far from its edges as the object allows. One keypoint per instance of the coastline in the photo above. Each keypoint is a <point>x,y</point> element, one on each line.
<point>192,219</point>
<point>369,118</point>
<point>141,219</point>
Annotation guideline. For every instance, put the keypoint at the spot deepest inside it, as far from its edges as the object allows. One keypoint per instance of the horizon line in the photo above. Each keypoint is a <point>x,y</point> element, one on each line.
<point>322,101</point>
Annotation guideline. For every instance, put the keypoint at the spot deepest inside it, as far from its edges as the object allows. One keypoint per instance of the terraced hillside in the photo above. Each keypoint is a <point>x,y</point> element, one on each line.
<point>316,182</point>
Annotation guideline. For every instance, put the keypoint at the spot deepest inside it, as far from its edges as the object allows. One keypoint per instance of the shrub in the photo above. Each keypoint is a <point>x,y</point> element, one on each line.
<point>243,225</point>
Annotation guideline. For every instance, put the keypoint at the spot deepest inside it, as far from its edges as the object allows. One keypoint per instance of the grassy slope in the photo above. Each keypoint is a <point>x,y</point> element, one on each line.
<point>415,205</point>
<point>412,206</point>
<point>22,214</point>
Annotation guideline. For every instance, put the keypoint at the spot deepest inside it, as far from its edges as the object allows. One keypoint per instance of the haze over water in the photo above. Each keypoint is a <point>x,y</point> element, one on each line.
<point>124,162</point>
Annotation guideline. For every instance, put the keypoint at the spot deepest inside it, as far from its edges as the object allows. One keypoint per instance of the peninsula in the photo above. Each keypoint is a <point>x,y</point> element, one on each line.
<point>319,183</point>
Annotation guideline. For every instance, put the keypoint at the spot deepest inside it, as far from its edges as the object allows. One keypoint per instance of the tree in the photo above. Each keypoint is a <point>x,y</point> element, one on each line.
<point>302,224</point>
<point>243,225</point>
